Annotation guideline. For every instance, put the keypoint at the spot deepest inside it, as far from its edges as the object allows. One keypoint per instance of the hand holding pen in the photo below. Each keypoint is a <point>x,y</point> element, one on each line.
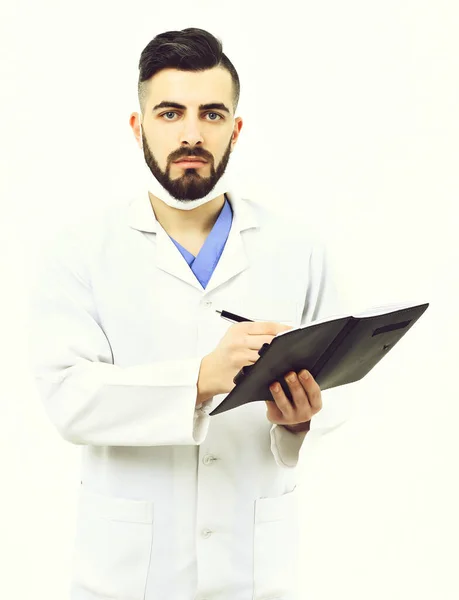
<point>238,348</point>
<point>294,414</point>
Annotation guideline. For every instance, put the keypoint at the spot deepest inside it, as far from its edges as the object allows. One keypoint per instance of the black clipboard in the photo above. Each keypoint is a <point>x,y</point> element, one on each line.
<point>336,352</point>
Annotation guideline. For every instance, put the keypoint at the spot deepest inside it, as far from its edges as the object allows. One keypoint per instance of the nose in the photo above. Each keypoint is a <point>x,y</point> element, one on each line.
<point>191,133</point>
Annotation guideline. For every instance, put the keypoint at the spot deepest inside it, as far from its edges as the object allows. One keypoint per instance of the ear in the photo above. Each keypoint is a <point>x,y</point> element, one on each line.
<point>135,124</point>
<point>238,123</point>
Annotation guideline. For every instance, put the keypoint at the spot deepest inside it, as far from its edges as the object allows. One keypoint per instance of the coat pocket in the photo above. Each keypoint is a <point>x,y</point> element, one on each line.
<point>276,547</point>
<point>112,546</point>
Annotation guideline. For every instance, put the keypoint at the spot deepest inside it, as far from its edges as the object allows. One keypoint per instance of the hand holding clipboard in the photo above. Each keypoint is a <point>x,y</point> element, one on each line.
<point>336,351</point>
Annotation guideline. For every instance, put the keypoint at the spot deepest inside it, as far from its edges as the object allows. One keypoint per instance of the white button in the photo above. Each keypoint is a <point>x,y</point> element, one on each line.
<point>206,533</point>
<point>208,459</point>
<point>207,304</point>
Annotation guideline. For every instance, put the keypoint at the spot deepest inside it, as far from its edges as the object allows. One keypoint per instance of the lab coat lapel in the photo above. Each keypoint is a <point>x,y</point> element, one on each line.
<point>234,258</point>
<point>170,260</point>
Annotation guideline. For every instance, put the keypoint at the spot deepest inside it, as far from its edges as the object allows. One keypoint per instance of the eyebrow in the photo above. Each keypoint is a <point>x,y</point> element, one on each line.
<point>211,105</point>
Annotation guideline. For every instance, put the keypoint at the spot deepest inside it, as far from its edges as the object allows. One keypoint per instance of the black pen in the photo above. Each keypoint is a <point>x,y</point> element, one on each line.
<point>232,317</point>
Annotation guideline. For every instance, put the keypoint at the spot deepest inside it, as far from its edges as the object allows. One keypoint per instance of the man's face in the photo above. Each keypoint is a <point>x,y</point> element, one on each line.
<point>171,133</point>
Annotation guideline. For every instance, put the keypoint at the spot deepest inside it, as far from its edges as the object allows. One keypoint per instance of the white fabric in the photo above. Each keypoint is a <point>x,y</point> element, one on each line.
<point>173,503</point>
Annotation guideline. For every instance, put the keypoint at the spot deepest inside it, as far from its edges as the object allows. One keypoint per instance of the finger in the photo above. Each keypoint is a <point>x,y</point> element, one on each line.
<point>274,412</point>
<point>252,356</point>
<point>265,327</point>
<point>312,389</point>
<point>255,342</point>
<point>302,407</point>
<point>284,405</point>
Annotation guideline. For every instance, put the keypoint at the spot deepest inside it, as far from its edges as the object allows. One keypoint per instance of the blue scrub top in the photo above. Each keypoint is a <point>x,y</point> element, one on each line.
<point>204,263</point>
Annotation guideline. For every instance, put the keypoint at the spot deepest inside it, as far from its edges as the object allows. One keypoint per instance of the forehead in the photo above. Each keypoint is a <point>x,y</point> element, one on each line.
<point>191,88</point>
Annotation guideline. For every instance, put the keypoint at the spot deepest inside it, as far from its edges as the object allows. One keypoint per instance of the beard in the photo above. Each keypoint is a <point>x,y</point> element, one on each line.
<point>190,185</point>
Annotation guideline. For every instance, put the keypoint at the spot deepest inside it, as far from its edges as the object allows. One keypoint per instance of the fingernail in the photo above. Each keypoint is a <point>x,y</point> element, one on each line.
<point>304,375</point>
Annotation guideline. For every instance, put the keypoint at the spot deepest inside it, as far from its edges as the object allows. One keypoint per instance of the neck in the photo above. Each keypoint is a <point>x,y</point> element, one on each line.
<point>199,220</point>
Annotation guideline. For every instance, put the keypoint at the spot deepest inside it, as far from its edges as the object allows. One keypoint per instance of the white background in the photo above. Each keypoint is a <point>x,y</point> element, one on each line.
<point>351,118</point>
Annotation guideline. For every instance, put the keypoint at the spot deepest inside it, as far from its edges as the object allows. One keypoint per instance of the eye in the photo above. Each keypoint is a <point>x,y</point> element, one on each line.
<point>173,112</point>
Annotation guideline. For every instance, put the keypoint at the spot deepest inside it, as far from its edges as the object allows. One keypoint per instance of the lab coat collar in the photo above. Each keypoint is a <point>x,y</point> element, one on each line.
<point>233,260</point>
<point>142,217</point>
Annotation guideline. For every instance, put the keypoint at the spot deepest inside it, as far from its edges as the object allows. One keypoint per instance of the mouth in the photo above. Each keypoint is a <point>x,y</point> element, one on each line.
<point>191,158</point>
<point>190,164</point>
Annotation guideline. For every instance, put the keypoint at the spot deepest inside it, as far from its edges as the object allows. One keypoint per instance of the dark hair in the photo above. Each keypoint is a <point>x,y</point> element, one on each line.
<point>191,49</point>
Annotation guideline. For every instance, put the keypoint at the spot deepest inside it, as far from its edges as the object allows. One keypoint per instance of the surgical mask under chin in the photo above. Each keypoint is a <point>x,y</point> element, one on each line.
<point>157,189</point>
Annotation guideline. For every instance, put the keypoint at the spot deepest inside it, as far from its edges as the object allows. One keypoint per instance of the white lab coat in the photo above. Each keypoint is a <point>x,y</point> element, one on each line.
<point>173,503</point>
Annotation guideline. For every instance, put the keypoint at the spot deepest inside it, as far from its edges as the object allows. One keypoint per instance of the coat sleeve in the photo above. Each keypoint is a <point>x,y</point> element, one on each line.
<point>323,300</point>
<point>89,399</point>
